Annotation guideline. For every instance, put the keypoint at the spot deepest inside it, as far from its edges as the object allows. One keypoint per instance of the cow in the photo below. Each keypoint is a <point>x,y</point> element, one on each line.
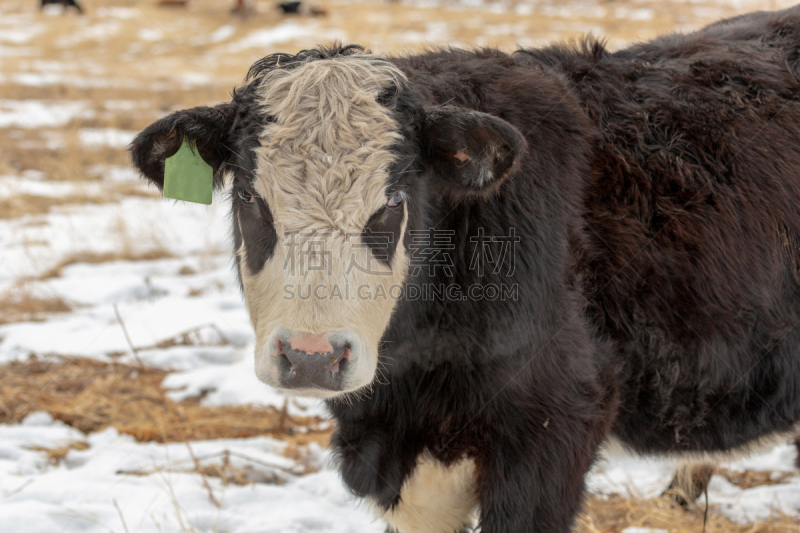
<point>492,265</point>
<point>65,3</point>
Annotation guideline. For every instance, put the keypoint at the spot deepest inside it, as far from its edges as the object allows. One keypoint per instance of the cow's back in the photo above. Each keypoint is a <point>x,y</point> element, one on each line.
<point>693,262</point>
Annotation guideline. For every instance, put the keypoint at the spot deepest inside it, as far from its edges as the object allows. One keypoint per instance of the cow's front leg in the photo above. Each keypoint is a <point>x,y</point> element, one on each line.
<point>536,485</point>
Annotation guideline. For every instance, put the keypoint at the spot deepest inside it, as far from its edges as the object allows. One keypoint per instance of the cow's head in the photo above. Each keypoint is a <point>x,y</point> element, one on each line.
<point>333,159</point>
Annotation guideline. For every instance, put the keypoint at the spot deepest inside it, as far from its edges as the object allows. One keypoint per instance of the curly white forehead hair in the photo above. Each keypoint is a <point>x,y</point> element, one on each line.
<point>324,158</point>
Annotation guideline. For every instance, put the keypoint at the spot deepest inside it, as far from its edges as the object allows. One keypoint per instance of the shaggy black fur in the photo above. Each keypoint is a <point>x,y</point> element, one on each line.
<point>659,261</point>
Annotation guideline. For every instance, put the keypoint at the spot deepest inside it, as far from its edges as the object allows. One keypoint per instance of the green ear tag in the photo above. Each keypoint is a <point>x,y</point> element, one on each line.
<point>187,176</point>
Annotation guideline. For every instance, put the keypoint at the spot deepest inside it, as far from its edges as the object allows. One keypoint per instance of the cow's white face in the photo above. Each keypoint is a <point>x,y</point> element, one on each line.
<point>323,169</point>
<point>326,173</point>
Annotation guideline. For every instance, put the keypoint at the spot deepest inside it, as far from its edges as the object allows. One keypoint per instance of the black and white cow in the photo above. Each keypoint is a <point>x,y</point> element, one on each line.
<point>491,264</point>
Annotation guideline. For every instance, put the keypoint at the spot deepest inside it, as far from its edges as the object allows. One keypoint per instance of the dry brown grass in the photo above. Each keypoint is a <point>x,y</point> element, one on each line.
<point>754,478</point>
<point>616,513</point>
<point>148,71</point>
<point>57,454</point>
<point>95,258</point>
<point>220,466</point>
<point>18,205</point>
<point>70,162</point>
<point>19,304</point>
<point>232,475</point>
<point>90,396</point>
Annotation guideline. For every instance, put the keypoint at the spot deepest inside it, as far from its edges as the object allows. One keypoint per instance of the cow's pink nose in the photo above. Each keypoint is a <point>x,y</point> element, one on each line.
<point>310,343</point>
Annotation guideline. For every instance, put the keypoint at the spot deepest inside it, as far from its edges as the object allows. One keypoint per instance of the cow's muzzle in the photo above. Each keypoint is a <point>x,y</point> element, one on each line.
<point>312,361</point>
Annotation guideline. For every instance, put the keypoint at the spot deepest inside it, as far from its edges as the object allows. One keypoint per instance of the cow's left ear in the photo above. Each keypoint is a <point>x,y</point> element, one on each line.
<point>471,152</point>
<point>208,127</point>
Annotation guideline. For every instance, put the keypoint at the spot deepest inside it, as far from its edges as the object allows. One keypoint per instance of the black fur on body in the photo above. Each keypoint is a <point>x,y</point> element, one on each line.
<point>656,196</point>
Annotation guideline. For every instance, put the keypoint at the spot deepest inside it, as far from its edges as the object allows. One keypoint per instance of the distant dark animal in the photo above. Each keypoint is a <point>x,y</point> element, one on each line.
<point>242,8</point>
<point>797,445</point>
<point>491,264</point>
<point>290,8</point>
<point>65,3</point>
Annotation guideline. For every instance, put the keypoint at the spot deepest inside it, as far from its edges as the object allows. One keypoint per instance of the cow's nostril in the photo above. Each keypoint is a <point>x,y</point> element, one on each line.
<point>340,357</point>
<point>340,366</point>
<point>286,367</point>
<point>278,348</point>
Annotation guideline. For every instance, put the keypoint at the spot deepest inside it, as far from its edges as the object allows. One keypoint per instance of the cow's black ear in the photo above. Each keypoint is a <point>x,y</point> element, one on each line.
<point>471,152</point>
<point>209,127</point>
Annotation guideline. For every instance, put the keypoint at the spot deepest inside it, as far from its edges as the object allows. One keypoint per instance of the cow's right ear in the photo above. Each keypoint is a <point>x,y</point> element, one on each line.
<point>209,127</point>
<point>472,153</point>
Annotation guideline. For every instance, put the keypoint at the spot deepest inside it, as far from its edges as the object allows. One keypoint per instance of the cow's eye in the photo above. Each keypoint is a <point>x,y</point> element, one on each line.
<point>247,196</point>
<point>396,199</point>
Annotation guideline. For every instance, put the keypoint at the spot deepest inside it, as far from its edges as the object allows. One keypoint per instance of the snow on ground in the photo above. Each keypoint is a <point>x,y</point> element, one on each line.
<point>158,300</point>
<point>36,113</point>
<point>196,291</point>
<point>648,477</point>
<point>267,38</point>
<point>95,489</point>
<point>191,289</point>
<point>137,223</point>
<point>111,137</point>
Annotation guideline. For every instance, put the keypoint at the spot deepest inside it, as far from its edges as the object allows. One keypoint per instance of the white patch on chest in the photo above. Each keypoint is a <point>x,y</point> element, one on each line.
<point>435,498</point>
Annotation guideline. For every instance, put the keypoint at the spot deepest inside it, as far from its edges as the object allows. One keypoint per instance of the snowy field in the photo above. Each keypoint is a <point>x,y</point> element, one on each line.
<point>84,243</point>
